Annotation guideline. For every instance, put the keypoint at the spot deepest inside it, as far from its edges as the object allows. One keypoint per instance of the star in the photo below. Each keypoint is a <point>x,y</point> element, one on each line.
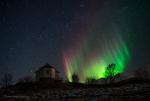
<point>12,48</point>
<point>62,37</point>
<point>82,5</point>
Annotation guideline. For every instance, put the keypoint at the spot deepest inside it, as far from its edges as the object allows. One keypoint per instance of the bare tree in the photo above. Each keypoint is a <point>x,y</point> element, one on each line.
<point>90,80</point>
<point>26,79</point>
<point>75,78</point>
<point>6,80</point>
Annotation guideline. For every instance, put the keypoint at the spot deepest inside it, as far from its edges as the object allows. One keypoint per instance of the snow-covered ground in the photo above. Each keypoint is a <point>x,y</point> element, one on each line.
<point>129,92</point>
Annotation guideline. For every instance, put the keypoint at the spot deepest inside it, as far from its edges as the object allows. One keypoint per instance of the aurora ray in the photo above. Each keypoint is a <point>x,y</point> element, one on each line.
<point>102,43</point>
<point>90,59</point>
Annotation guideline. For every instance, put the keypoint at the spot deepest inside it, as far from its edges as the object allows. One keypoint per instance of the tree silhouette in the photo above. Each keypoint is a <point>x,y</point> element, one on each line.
<point>6,80</point>
<point>90,80</point>
<point>26,79</point>
<point>75,78</point>
<point>110,72</point>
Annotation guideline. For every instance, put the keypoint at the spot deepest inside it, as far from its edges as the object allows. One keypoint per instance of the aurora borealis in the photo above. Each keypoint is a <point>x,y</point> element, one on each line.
<point>100,44</point>
<point>75,36</point>
<point>90,61</point>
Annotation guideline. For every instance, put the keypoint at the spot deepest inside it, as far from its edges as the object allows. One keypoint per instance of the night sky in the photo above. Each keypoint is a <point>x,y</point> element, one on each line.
<point>36,32</point>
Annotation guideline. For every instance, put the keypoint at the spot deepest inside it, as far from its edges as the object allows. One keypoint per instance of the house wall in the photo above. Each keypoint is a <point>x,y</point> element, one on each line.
<point>52,73</point>
<point>46,73</point>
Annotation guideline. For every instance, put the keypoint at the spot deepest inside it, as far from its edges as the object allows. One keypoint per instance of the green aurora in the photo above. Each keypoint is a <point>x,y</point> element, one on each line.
<point>89,61</point>
<point>101,43</point>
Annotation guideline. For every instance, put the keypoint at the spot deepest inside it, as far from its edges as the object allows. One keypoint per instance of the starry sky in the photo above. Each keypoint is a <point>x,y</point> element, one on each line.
<point>36,32</point>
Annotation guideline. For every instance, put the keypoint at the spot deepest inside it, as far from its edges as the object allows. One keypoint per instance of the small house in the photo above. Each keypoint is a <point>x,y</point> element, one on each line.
<point>47,73</point>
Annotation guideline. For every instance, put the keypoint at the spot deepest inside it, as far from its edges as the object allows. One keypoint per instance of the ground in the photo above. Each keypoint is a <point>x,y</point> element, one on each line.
<point>127,92</point>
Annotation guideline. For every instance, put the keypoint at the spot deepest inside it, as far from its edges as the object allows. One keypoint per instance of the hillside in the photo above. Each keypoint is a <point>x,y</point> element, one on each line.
<point>128,90</point>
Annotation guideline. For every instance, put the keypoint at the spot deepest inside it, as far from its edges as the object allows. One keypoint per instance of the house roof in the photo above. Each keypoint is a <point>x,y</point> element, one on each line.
<point>46,66</point>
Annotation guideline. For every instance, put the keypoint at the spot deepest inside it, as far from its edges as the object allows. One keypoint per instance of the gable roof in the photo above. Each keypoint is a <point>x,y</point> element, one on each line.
<point>46,66</point>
